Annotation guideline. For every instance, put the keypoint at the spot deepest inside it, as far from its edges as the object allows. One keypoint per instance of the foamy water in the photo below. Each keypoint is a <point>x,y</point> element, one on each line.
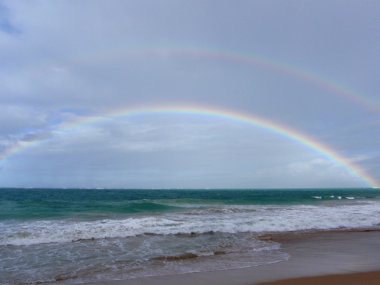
<point>122,238</point>
<point>228,219</point>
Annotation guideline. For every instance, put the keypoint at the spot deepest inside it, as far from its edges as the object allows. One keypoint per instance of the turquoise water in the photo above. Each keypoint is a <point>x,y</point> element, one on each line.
<point>95,203</point>
<point>81,235</point>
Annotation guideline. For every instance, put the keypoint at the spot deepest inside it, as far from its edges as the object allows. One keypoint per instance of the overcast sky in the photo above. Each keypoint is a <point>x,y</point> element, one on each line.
<point>67,60</point>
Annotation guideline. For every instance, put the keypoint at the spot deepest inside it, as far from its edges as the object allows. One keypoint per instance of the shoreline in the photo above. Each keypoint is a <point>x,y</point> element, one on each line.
<point>294,236</point>
<point>367,278</point>
<point>325,254</point>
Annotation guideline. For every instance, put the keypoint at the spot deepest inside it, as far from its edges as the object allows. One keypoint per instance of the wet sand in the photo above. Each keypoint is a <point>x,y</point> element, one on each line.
<point>366,278</point>
<point>317,254</point>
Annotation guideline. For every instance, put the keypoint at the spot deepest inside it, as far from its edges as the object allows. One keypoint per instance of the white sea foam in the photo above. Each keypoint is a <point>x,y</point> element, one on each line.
<point>132,257</point>
<point>228,219</point>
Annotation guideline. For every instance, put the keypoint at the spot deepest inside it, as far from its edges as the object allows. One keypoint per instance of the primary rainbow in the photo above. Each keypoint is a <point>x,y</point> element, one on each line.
<point>262,123</point>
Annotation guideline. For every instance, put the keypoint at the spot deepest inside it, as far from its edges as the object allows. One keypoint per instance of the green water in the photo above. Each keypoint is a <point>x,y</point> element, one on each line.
<point>94,203</point>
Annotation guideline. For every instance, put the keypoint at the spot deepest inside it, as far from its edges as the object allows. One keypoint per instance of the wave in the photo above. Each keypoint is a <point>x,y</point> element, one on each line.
<point>146,255</point>
<point>143,206</point>
<point>32,210</point>
<point>227,219</point>
<point>333,197</point>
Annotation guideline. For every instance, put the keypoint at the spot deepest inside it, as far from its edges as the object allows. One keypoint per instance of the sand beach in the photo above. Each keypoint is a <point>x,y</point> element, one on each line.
<point>329,257</point>
<point>363,278</point>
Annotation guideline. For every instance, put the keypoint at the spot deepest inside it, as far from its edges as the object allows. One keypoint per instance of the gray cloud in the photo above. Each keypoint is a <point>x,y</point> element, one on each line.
<point>68,61</point>
<point>185,153</point>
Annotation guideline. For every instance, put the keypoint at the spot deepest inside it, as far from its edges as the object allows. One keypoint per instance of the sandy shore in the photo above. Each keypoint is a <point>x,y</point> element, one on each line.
<point>365,278</point>
<point>318,254</point>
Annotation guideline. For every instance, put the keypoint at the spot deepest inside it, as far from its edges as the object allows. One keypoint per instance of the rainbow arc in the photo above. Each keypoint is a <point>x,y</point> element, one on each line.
<point>249,119</point>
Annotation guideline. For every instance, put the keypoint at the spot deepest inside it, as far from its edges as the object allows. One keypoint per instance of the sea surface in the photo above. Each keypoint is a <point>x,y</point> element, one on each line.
<point>81,235</point>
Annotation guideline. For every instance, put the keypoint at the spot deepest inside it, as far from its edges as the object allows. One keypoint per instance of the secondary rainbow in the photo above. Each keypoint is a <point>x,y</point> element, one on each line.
<point>253,59</point>
<point>259,122</point>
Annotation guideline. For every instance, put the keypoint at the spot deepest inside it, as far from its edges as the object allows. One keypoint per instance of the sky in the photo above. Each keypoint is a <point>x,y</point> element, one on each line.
<point>72,72</point>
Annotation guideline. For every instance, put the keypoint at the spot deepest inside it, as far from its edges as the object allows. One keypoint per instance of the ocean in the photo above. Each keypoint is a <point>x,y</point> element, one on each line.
<point>83,235</point>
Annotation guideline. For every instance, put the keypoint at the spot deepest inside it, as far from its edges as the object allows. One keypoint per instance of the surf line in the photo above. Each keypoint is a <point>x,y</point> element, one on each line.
<point>249,119</point>
<point>252,59</point>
